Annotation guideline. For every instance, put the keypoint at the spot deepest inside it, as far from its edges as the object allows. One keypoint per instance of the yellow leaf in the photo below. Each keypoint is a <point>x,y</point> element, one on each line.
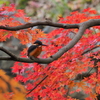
<point>10,89</point>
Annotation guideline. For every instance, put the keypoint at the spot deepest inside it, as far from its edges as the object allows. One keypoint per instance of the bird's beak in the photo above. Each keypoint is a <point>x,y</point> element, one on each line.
<point>44,45</point>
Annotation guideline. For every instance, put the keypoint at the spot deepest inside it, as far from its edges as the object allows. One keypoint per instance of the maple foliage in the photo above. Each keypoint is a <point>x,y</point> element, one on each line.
<point>61,74</point>
<point>10,88</point>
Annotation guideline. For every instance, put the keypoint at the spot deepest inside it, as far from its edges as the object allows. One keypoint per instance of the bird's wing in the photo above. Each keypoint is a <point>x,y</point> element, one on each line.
<point>31,48</point>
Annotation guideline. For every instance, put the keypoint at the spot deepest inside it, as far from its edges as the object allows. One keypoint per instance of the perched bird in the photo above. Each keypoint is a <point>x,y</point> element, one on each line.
<point>35,49</point>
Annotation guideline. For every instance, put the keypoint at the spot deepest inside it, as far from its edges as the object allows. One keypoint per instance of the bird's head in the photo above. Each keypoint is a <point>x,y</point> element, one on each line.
<point>39,43</point>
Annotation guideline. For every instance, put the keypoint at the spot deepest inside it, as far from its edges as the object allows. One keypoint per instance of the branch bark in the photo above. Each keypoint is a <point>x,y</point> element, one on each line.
<point>82,27</point>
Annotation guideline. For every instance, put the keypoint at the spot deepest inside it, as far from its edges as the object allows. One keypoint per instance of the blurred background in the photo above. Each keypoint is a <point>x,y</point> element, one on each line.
<point>40,10</point>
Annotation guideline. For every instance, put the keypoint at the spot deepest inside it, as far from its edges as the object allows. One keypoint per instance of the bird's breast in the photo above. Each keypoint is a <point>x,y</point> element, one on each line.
<point>36,52</point>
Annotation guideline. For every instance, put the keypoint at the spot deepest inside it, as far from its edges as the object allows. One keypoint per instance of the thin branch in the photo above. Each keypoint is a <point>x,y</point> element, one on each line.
<point>90,23</point>
<point>46,22</point>
<point>37,84</point>
<point>8,52</point>
<point>6,58</point>
<point>89,50</point>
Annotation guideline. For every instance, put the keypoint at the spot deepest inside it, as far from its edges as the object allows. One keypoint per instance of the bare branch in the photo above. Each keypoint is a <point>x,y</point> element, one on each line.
<point>89,23</point>
<point>37,84</point>
<point>46,22</point>
<point>82,27</point>
<point>89,50</point>
<point>5,58</point>
<point>7,52</point>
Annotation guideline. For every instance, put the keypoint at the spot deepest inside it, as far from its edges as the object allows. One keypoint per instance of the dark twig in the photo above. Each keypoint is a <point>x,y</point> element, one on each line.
<point>90,50</point>
<point>37,84</point>
<point>8,52</point>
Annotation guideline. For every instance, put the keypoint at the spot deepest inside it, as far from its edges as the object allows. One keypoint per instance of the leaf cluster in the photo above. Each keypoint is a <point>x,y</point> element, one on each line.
<point>74,40</point>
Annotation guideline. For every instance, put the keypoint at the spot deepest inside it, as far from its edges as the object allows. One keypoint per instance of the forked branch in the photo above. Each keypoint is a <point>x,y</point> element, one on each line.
<point>82,27</point>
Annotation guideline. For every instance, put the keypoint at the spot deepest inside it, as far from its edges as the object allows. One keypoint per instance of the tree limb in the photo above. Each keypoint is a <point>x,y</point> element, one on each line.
<point>46,23</point>
<point>89,23</point>
<point>15,58</point>
<point>82,27</point>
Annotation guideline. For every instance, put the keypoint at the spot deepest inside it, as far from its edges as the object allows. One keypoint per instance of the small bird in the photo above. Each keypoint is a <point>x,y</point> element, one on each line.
<point>35,49</point>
